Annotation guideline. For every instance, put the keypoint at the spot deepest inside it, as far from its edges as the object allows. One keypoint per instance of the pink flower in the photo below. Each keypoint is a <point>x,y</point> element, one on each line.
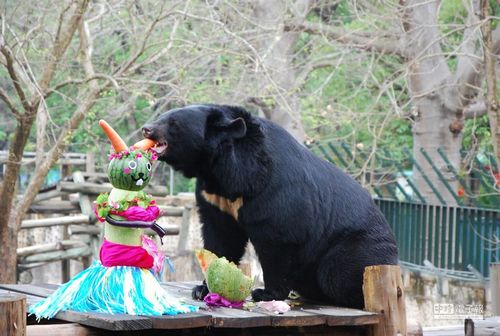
<point>138,155</point>
<point>111,156</point>
<point>126,170</point>
<point>132,148</point>
<point>119,155</point>
<point>126,153</point>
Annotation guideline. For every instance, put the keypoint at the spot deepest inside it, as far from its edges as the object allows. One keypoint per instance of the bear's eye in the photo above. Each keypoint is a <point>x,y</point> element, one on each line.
<point>148,165</point>
<point>171,122</point>
<point>132,164</point>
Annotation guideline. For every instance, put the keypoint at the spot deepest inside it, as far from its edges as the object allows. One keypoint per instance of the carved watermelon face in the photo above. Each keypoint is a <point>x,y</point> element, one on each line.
<point>130,172</point>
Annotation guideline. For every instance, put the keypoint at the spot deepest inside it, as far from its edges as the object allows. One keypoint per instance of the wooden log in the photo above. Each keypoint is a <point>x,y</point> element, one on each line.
<point>46,222</point>
<point>170,211</point>
<point>171,230</point>
<point>25,267</point>
<point>72,253</point>
<point>384,293</point>
<point>43,196</point>
<point>486,327</point>
<point>54,206</point>
<point>62,245</point>
<point>92,230</point>
<point>97,188</point>
<point>12,314</point>
<point>495,288</point>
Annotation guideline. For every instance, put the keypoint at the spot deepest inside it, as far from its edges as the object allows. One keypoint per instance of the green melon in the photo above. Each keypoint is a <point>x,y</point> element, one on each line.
<point>130,172</point>
<point>227,280</point>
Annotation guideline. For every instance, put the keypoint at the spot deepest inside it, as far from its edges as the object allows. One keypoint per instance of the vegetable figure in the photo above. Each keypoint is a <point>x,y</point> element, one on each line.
<point>227,284</point>
<point>124,280</point>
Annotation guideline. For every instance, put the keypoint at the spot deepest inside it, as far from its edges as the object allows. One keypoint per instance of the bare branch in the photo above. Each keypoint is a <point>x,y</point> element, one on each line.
<point>5,97</point>
<point>61,43</point>
<point>359,41</point>
<point>475,110</point>
<point>9,59</point>
<point>81,81</point>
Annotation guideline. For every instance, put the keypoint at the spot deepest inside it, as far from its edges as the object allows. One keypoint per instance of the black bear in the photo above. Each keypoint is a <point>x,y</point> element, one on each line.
<point>313,227</point>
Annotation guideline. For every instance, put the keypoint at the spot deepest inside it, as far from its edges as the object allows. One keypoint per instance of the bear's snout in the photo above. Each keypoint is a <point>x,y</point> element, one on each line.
<point>147,131</point>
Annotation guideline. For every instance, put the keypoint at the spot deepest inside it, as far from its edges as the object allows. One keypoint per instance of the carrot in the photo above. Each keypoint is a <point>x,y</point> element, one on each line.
<point>116,141</point>
<point>145,144</point>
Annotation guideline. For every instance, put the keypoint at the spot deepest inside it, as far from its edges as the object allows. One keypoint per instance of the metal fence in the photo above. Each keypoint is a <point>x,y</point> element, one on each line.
<point>450,237</point>
<point>390,174</point>
<point>458,238</point>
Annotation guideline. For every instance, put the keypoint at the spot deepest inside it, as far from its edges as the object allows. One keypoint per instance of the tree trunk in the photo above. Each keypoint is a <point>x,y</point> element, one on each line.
<point>276,50</point>
<point>491,80</point>
<point>428,77</point>
<point>431,132</point>
<point>8,248</point>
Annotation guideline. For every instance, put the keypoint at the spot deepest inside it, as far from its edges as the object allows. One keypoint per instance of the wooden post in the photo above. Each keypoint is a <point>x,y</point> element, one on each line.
<point>495,288</point>
<point>65,264</point>
<point>86,208</point>
<point>90,162</point>
<point>12,315</point>
<point>184,232</point>
<point>384,293</point>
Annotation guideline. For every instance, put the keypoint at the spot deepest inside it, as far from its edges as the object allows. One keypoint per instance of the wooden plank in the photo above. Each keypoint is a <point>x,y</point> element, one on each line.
<point>316,315</point>
<point>98,320</point>
<point>295,317</point>
<point>182,321</point>
<point>221,317</point>
<point>107,321</point>
<point>13,314</point>
<point>338,316</point>
<point>73,329</point>
<point>312,315</point>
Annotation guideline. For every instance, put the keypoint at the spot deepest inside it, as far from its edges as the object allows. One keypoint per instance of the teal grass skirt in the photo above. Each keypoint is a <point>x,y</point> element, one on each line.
<point>114,290</point>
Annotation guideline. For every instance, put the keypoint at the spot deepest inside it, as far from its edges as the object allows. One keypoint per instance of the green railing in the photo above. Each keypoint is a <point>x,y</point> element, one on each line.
<point>390,174</point>
<point>449,237</point>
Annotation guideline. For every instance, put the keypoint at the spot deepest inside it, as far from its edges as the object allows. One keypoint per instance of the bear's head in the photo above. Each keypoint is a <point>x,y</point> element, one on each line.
<point>218,143</point>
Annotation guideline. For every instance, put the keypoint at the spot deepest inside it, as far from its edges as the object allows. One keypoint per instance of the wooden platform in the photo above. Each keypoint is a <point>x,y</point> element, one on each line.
<point>302,319</point>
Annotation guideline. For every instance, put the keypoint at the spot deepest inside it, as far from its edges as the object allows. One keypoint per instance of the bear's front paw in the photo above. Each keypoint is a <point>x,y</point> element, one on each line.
<point>262,294</point>
<point>199,292</point>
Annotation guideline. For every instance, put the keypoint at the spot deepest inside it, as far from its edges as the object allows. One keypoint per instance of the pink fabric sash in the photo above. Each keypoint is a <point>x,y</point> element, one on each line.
<point>136,213</point>
<point>112,254</point>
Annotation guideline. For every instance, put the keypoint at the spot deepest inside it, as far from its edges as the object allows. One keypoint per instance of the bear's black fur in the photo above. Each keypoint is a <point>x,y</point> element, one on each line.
<point>313,227</point>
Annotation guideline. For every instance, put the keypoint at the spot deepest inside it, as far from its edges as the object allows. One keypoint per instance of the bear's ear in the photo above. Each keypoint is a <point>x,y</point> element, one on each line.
<point>236,128</point>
